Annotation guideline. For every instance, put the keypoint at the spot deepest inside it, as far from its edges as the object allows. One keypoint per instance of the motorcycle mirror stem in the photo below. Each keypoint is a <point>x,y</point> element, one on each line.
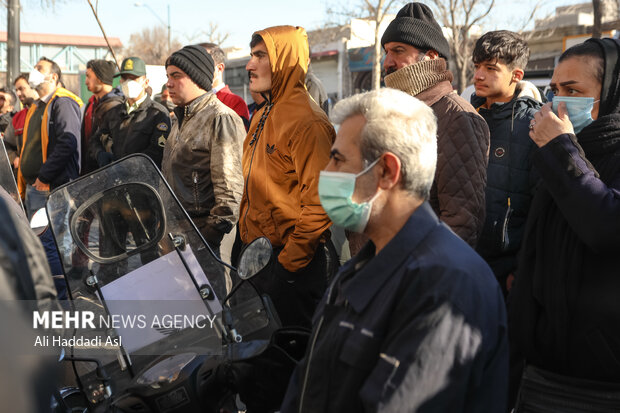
<point>101,373</point>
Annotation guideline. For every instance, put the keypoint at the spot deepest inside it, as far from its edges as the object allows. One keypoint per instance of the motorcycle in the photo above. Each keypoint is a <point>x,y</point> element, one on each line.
<point>161,320</point>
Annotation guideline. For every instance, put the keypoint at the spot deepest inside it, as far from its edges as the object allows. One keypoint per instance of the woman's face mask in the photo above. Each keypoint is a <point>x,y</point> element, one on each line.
<point>579,110</point>
<point>336,192</point>
<point>575,83</point>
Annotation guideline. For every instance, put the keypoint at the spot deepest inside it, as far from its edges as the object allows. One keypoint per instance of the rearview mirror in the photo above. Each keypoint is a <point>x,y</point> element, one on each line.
<point>39,222</point>
<point>129,219</point>
<point>254,257</point>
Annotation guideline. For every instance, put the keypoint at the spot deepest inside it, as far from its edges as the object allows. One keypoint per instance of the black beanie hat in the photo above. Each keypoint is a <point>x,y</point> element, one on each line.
<point>196,62</point>
<point>415,25</point>
<point>103,69</point>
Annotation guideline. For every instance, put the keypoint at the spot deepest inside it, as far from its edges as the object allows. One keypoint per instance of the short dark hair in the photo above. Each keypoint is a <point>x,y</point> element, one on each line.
<point>256,39</point>
<point>503,45</point>
<point>587,49</point>
<point>215,51</point>
<point>55,67</point>
<point>23,76</point>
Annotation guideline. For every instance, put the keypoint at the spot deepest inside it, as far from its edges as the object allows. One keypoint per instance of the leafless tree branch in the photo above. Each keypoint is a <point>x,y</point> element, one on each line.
<point>151,45</point>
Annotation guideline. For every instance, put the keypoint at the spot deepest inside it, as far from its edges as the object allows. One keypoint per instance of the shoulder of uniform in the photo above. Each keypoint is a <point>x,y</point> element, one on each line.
<point>156,106</point>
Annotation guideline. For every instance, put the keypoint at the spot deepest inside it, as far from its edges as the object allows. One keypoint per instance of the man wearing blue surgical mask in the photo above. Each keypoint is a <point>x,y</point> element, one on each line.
<point>415,321</point>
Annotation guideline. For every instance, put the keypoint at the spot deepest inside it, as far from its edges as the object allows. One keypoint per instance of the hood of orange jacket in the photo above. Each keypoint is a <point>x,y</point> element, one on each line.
<point>287,146</point>
<point>288,51</point>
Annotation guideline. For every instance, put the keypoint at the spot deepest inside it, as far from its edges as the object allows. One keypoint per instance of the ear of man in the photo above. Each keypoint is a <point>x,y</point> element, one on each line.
<point>390,171</point>
<point>517,75</point>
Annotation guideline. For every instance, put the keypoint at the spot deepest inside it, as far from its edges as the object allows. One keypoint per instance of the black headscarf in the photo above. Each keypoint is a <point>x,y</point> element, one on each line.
<point>610,89</point>
<point>551,259</point>
<point>603,135</point>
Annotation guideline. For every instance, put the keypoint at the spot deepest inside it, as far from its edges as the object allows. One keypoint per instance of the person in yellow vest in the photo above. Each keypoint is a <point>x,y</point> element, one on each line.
<point>50,154</point>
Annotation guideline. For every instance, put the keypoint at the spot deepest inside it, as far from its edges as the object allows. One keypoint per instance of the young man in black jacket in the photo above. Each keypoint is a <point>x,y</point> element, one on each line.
<point>500,58</point>
<point>99,79</point>
<point>140,125</point>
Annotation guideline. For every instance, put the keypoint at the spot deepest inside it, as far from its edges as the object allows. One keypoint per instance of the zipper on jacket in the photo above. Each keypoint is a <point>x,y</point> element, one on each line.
<point>395,364</point>
<point>247,193</point>
<point>313,343</point>
<point>195,183</point>
<point>257,133</point>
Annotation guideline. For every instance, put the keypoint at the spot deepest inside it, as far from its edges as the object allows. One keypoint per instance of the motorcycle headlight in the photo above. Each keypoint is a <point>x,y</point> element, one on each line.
<point>165,371</point>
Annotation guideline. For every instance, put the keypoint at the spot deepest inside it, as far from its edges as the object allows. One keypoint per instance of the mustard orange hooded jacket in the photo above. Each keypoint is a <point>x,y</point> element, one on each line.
<point>282,161</point>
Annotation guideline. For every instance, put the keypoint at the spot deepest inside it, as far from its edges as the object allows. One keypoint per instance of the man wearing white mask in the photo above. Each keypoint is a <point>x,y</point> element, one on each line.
<point>51,138</point>
<point>415,322</point>
<point>140,125</point>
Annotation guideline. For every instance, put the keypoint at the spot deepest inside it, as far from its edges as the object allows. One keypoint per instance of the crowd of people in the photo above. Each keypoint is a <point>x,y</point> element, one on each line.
<point>483,233</point>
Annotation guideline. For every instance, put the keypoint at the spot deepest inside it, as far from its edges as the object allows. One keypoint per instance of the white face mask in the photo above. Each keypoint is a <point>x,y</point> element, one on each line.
<point>131,89</point>
<point>36,78</point>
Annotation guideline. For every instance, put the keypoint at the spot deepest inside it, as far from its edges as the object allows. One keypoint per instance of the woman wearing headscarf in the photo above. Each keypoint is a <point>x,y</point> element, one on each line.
<point>564,309</point>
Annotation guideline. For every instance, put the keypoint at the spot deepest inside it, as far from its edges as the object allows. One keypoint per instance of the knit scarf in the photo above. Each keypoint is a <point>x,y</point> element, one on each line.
<point>601,136</point>
<point>418,77</point>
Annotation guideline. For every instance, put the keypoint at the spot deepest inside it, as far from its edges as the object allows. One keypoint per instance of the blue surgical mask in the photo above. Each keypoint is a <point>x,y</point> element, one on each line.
<point>579,110</point>
<point>336,193</point>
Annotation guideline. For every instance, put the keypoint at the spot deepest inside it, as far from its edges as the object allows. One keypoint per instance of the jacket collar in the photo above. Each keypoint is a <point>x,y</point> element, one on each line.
<point>185,112</point>
<point>418,77</point>
<point>360,290</point>
<point>112,94</point>
<point>434,93</point>
<point>223,87</point>
<point>521,97</point>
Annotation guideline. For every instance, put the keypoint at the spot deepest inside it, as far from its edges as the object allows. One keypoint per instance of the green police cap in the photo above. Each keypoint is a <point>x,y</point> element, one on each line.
<point>132,66</point>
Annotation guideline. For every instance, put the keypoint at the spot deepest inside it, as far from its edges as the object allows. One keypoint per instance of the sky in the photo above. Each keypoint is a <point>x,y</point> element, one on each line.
<point>240,18</point>
<point>121,18</point>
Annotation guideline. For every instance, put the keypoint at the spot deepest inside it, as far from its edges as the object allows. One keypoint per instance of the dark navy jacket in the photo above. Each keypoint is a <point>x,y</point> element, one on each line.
<point>420,327</point>
<point>63,149</point>
<point>583,256</point>
<point>509,175</point>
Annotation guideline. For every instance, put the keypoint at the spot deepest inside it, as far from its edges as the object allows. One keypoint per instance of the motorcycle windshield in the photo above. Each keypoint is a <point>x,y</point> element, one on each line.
<point>136,265</point>
<point>7,179</point>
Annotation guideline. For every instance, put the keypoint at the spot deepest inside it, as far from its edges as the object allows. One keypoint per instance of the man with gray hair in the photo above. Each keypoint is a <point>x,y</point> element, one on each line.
<point>415,321</point>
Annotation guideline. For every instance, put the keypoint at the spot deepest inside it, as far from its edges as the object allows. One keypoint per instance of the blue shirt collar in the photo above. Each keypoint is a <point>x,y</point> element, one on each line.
<point>363,285</point>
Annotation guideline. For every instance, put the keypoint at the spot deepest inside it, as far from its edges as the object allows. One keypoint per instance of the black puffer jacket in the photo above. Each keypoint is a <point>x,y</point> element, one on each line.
<point>510,177</point>
<point>144,130</point>
<point>106,103</point>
